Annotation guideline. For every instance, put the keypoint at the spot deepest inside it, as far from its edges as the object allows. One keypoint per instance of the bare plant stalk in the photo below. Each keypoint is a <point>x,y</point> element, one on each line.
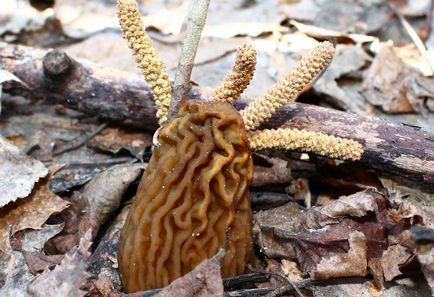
<point>181,84</point>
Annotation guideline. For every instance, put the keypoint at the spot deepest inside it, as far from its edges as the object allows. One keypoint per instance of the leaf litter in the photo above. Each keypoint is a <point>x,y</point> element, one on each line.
<point>302,230</point>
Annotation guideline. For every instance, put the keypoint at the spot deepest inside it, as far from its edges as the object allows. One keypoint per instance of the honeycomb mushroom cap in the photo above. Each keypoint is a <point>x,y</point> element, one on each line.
<point>192,200</point>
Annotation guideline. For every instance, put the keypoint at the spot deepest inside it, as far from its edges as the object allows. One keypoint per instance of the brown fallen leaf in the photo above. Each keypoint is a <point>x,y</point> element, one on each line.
<point>320,236</point>
<point>393,257</point>
<point>14,281</point>
<point>32,247</point>
<point>91,207</point>
<point>394,86</point>
<point>30,212</point>
<point>352,16</point>
<point>103,287</point>
<point>102,196</point>
<point>34,240</point>
<point>38,262</point>
<point>67,277</point>
<point>353,263</point>
<point>18,173</point>
<point>114,140</point>
<point>356,205</point>
<point>203,281</point>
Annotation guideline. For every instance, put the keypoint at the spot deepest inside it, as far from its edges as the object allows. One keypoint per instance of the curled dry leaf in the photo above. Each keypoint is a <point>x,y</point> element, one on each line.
<point>353,263</point>
<point>320,236</point>
<point>34,240</point>
<point>203,281</point>
<point>392,259</point>
<point>32,244</point>
<point>6,76</point>
<point>356,205</point>
<point>96,202</point>
<point>30,212</point>
<point>394,86</point>
<point>16,278</point>
<point>114,140</point>
<point>102,196</point>
<point>65,279</point>
<point>18,173</point>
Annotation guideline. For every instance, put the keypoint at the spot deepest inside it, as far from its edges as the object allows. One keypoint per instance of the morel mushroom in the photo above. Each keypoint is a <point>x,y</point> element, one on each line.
<point>193,198</point>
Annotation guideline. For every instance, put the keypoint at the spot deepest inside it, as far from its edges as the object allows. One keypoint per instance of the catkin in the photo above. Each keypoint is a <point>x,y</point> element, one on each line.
<point>240,76</point>
<point>289,87</point>
<point>307,141</point>
<point>146,56</point>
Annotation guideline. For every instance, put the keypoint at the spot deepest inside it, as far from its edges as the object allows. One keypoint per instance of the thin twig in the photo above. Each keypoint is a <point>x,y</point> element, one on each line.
<point>74,145</point>
<point>414,37</point>
<point>288,288</point>
<point>181,84</point>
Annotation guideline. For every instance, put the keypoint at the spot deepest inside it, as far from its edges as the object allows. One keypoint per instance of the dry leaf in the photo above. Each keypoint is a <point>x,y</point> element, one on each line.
<point>30,212</point>
<point>353,263</point>
<point>203,281</point>
<point>320,236</point>
<point>91,207</point>
<point>394,86</point>
<point>114,140</point>
<point>356,205</point>
<point>392,259</point>
<point>377,272</point>
<point>102,196</point>
<point>67,277</point>
<point>291,270</point>
<point>352,16</point>
<point>32,245</point>
<point>322,33</point>
<point>16,278</point>
<point>103,262</point>
<point>34,240</point>
<point>18,173</point>
<point>18,275</point>
<point>103,287</point>
<point>38,262</point>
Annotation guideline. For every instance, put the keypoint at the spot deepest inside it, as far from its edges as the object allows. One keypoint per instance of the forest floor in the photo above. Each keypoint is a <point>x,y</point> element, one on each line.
<point>322,227</point>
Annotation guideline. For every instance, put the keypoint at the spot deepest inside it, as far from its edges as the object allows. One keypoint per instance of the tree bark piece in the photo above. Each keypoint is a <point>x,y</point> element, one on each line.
<point>393,149</point>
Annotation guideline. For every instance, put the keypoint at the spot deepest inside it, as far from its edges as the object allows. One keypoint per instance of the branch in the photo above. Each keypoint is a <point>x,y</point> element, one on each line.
<point>392,149</point>
<point>181,83</point>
